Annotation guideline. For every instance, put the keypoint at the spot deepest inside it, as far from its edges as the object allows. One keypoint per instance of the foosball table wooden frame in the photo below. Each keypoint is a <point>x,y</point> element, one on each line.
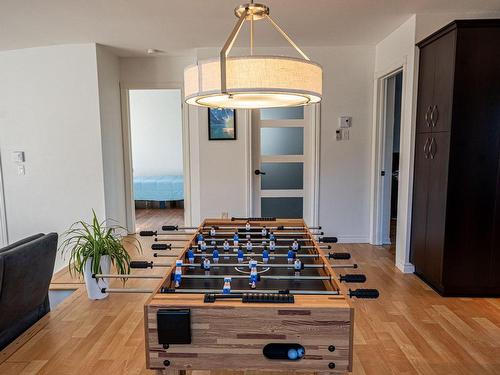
<point>231,334</point>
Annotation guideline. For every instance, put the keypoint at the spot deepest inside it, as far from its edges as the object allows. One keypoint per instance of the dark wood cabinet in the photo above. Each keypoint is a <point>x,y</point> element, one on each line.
<point>455,241</point>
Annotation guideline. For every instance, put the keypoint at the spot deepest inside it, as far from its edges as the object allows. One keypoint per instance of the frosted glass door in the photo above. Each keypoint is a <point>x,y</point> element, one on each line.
<point>280,138</point>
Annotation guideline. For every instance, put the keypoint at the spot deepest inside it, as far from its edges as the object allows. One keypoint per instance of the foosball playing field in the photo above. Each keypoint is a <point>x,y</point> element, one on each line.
<point>254,295</point>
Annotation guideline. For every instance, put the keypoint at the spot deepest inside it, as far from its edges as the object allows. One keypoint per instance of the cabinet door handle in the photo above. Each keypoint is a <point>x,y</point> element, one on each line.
<point>432,148</point>
<point>427,113</point>
<point>434,116</point>
<point>426,152</point>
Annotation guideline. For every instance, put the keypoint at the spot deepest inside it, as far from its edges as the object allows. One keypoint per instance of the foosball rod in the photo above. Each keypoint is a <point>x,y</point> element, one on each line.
<point>150,233</point>
<point>337,256</point>
<point>353,265</point>
<point>280,227</point>
<point>257,241</point>
<point>306,247</point>
<point>117,276</point>
<point>358,293</point>
<point>262,277</point>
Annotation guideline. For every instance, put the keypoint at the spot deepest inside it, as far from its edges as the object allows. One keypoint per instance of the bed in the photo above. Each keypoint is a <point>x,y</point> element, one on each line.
<point>158,188</point>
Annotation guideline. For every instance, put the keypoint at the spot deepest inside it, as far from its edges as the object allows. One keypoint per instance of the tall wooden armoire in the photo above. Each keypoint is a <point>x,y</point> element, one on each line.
<point>455,241</point>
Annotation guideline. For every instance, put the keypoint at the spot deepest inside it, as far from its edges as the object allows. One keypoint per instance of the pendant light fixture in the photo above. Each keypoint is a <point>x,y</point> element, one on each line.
<point>254,81</point>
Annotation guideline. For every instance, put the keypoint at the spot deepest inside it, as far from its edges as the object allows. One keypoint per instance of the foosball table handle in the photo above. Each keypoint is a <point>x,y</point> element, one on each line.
<point>328,239</point>
<point>170,227</point>
<point>161,246</point>
<point>141,264</point>
<point>339,256</point>
<point>147,233</point>
<point>364,293</point>
<point>352,278</point>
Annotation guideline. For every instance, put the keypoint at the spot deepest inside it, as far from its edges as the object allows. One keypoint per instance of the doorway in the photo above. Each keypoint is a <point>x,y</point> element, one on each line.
<point>391,134</point>
<point>3,217</point>
<point>284,170</point>
<point>156,166</point>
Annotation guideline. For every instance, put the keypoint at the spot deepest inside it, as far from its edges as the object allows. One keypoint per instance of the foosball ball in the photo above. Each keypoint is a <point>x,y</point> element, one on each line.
<point>253,295</point>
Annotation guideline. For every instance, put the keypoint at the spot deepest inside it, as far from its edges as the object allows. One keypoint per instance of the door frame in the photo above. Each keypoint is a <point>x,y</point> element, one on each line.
<point>379,185</point>
<point>313,181</point>
<point>4,235</point>
<point>127,148</point>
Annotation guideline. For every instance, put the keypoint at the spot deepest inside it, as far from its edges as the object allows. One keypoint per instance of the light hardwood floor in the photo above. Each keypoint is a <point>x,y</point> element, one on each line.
<point>154,218</point>
<point>409,330</point>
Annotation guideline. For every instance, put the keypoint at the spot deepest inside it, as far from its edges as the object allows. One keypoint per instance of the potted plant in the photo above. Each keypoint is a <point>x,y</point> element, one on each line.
<point>92,248</point>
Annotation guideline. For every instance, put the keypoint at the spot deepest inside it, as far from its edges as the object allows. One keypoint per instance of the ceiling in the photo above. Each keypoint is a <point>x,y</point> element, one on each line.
<point>133,26</point>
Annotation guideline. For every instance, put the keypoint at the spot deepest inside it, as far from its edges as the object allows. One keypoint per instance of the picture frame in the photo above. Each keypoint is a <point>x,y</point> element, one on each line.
<point>221,124</point>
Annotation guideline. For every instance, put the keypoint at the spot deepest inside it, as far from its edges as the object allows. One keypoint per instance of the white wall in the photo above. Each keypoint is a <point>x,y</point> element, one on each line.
<point>108,73</point>
<point>49,109</point>
<point>156,132</point>
<point>395,51</point>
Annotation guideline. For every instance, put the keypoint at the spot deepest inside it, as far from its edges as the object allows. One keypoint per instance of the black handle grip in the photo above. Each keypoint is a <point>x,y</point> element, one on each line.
<point>328,239</point>
<point>147,233</point>
<point>103,290</point>
<point>352,278</point>
<point>170,227</point>
<point>141,264</point>
<point>339,256</point>
<point>161,246</point>
<point>364,293</point>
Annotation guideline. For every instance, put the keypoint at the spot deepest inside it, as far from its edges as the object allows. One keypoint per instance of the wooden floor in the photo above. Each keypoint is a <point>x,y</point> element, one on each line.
<point>154,218</point>
<point>409,330</point>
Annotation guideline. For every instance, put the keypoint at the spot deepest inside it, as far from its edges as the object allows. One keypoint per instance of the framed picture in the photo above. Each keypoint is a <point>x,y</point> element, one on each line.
<point>221,124</point>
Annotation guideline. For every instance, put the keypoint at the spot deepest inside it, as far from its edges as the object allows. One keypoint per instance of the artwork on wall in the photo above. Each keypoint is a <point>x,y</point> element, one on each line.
<point>221,124</point>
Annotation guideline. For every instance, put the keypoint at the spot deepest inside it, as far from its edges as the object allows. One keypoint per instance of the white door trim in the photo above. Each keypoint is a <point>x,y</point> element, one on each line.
<point>127,149</point>
<point>378,150</point>
<point>4,236</point>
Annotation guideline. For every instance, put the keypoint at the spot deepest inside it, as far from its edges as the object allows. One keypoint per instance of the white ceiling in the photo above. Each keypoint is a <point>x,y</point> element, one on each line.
<point>132,26</point>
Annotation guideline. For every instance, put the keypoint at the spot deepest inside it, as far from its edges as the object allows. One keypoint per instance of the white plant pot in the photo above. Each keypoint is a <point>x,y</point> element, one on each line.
<point>94,286</point>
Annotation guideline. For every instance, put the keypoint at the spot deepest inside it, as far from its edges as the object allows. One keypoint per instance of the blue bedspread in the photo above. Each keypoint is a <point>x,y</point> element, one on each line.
<point>158,188</point>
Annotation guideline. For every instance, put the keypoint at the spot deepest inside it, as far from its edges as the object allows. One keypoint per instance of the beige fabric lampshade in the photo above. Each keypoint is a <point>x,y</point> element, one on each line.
<point>254,82</point>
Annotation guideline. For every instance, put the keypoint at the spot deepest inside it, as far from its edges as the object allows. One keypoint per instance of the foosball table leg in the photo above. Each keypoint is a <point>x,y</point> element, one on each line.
<point>171,372</point>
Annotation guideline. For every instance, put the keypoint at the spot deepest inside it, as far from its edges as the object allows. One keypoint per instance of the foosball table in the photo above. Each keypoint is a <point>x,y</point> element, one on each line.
<point>253,295</point>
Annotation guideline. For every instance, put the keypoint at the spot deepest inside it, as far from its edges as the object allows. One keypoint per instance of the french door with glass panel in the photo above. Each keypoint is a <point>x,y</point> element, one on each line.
<point>282,167</point>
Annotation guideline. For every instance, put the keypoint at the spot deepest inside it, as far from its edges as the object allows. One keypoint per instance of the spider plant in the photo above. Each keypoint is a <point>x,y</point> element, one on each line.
<point>84,241</point>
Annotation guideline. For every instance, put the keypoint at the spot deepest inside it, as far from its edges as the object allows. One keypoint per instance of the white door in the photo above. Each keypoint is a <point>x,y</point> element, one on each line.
<point>283,162</point>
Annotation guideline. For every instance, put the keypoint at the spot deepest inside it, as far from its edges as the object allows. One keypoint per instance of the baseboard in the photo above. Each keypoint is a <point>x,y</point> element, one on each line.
<point>406,267</point>
<point>353,239</point>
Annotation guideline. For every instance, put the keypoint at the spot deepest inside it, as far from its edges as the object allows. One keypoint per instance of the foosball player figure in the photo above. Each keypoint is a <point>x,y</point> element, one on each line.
<point>206,266</point>
<point>241,256</point>
<point>178,273</point>
<point>264,231</point>
<point>265,255</point>
<point>199,238</point>
<point>236,239</point>
<point>213,243</point>
<point>272,237</point>
<point>253,273</point>
<point>247,226</point>
<point>215,255</point>
<point>297,266</point>
<point>226,289</point>
<point>212,232</point>
<point>272,248</point>
<point>203,247</point>
<point>290,256</point>
<point>190,255</point>
<point>226,248</point>
<point>295,245</point>
<point>249,246</point>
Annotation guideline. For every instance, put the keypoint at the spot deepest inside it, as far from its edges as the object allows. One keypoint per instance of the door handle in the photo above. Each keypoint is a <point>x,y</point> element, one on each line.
<point>257,172</point>
<point>426,152</point>
<point>434,116</point>
<point>427,122</point>
<point>432,148</point>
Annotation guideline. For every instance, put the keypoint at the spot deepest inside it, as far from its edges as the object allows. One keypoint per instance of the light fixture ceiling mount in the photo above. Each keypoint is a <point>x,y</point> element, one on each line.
<point>254,81</point>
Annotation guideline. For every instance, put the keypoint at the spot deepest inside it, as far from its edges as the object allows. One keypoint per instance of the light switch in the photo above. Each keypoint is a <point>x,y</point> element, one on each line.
<point>18,156</point>
<point>345,122</point>
<point>20,170</point>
